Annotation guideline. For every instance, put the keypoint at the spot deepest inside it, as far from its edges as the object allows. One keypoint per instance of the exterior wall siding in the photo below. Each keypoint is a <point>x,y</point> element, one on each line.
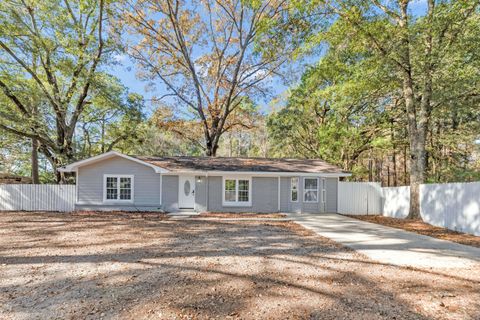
<point>285,194</point>
<point>264,195</point>
<point>201,194</point>
<point>90,185</point>
<point>170,193</point>
<point>330,204</point>
<point>332,192</point>
<point>208,191</point>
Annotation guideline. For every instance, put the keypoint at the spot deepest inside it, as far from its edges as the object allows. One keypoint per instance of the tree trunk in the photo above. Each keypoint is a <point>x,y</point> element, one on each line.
<point>394,155</point>
<point>370,170</point>
<point>211,150</point>
<point>56,162</point>
<point>417,148</point>
<point>418,134</point>
<point>415,129</point>
<point>388,174</point>
<point>378,171</point>
<point>405,151</point>
<point>35,175</point>
<point>417,175</point>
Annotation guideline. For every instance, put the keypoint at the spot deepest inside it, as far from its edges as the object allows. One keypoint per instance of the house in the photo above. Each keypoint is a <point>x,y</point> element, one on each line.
<point>115,181</point>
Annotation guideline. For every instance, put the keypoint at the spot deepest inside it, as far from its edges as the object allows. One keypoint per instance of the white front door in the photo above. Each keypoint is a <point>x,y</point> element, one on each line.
<point>186,192</point>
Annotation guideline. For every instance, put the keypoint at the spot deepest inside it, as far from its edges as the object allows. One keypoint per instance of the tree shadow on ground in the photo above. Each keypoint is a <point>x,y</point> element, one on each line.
<point>133,268</point>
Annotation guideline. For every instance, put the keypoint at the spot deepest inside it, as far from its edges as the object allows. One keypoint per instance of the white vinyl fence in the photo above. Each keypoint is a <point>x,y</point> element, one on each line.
<point>455,206</point>
<point>359,198</point>
<point>37,197</point>
<point>396,202</point>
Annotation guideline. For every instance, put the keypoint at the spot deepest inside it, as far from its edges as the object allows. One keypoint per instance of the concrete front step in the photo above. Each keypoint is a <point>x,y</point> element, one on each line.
<point>183,214</point>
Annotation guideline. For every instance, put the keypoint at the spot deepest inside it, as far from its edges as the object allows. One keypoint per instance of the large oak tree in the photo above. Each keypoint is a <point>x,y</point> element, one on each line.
<point>50,52</point>
<point>205,54</point>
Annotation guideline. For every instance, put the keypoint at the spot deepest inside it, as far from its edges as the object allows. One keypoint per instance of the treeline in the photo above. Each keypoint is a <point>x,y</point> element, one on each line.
<point>395,97</point>
<point>391,91</point>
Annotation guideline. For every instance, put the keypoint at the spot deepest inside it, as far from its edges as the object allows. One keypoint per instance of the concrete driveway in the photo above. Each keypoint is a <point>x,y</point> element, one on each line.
<point>390,245</point>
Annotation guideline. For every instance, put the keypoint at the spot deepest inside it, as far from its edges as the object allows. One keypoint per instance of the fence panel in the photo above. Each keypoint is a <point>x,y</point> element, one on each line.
<point>396,202</point>
<point>37,197</point>
<point>359,198</point>
<point>455,206</point>
<point>10,196</point>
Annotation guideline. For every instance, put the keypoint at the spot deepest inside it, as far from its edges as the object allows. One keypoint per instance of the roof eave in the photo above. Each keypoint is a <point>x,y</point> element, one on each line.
<point>73,167</point>
<point>262,173</point>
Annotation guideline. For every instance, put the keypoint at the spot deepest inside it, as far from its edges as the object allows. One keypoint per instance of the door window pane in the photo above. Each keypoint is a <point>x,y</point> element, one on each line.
<point>186,187</point>
<point>311,196</point>
<point>311,183</point>
<point>310,190</point>
<point>294,189</point>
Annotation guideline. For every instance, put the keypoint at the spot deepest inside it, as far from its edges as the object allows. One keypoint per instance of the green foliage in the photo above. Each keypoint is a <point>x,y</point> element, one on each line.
<point>349,107</point>
<point>53,87</point>
<point>112,121</point>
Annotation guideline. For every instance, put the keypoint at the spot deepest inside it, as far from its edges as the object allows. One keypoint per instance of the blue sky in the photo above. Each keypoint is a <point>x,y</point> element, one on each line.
<point>125,71</point>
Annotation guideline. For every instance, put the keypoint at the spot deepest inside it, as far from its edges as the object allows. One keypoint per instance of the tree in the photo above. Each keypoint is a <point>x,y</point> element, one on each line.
<point>418,49</point>
<point>111,120</point>
<point>205,54</point>
<point>50,52</point>
<point>336,112</point>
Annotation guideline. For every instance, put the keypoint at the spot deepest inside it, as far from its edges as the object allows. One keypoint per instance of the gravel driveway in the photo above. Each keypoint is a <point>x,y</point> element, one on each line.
<point>122,266</point>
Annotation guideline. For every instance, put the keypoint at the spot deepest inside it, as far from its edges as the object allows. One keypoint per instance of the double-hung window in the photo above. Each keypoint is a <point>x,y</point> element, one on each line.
<point>237,192</point>
<point>118,188</point>
<point>294,189</point>
<point>310,190</point>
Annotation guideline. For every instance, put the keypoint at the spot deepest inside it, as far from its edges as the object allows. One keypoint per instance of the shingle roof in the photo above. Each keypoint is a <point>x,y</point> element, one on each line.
<point>241,164</point>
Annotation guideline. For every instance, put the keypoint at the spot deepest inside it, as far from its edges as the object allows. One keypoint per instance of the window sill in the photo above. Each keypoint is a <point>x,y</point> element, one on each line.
<point>117,201</point>
<point>236,204</point>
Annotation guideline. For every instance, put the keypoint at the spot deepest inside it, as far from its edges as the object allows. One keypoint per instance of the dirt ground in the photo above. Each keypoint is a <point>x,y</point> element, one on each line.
<point>146,266</point>
<point>426,229</point>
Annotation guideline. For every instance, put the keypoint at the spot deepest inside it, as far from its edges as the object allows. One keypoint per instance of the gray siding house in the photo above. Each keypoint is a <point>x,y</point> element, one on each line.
<point>114,181</point>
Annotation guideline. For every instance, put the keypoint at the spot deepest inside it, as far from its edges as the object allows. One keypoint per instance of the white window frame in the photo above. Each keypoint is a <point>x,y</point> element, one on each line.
<point>237,203</point>
<point>291,188</point>
<point>118,176</point>
<point>324,190</point>
<point>305,190</point>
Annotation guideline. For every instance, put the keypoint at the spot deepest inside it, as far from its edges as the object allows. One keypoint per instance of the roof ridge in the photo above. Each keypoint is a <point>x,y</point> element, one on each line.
<point>224,157</point>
